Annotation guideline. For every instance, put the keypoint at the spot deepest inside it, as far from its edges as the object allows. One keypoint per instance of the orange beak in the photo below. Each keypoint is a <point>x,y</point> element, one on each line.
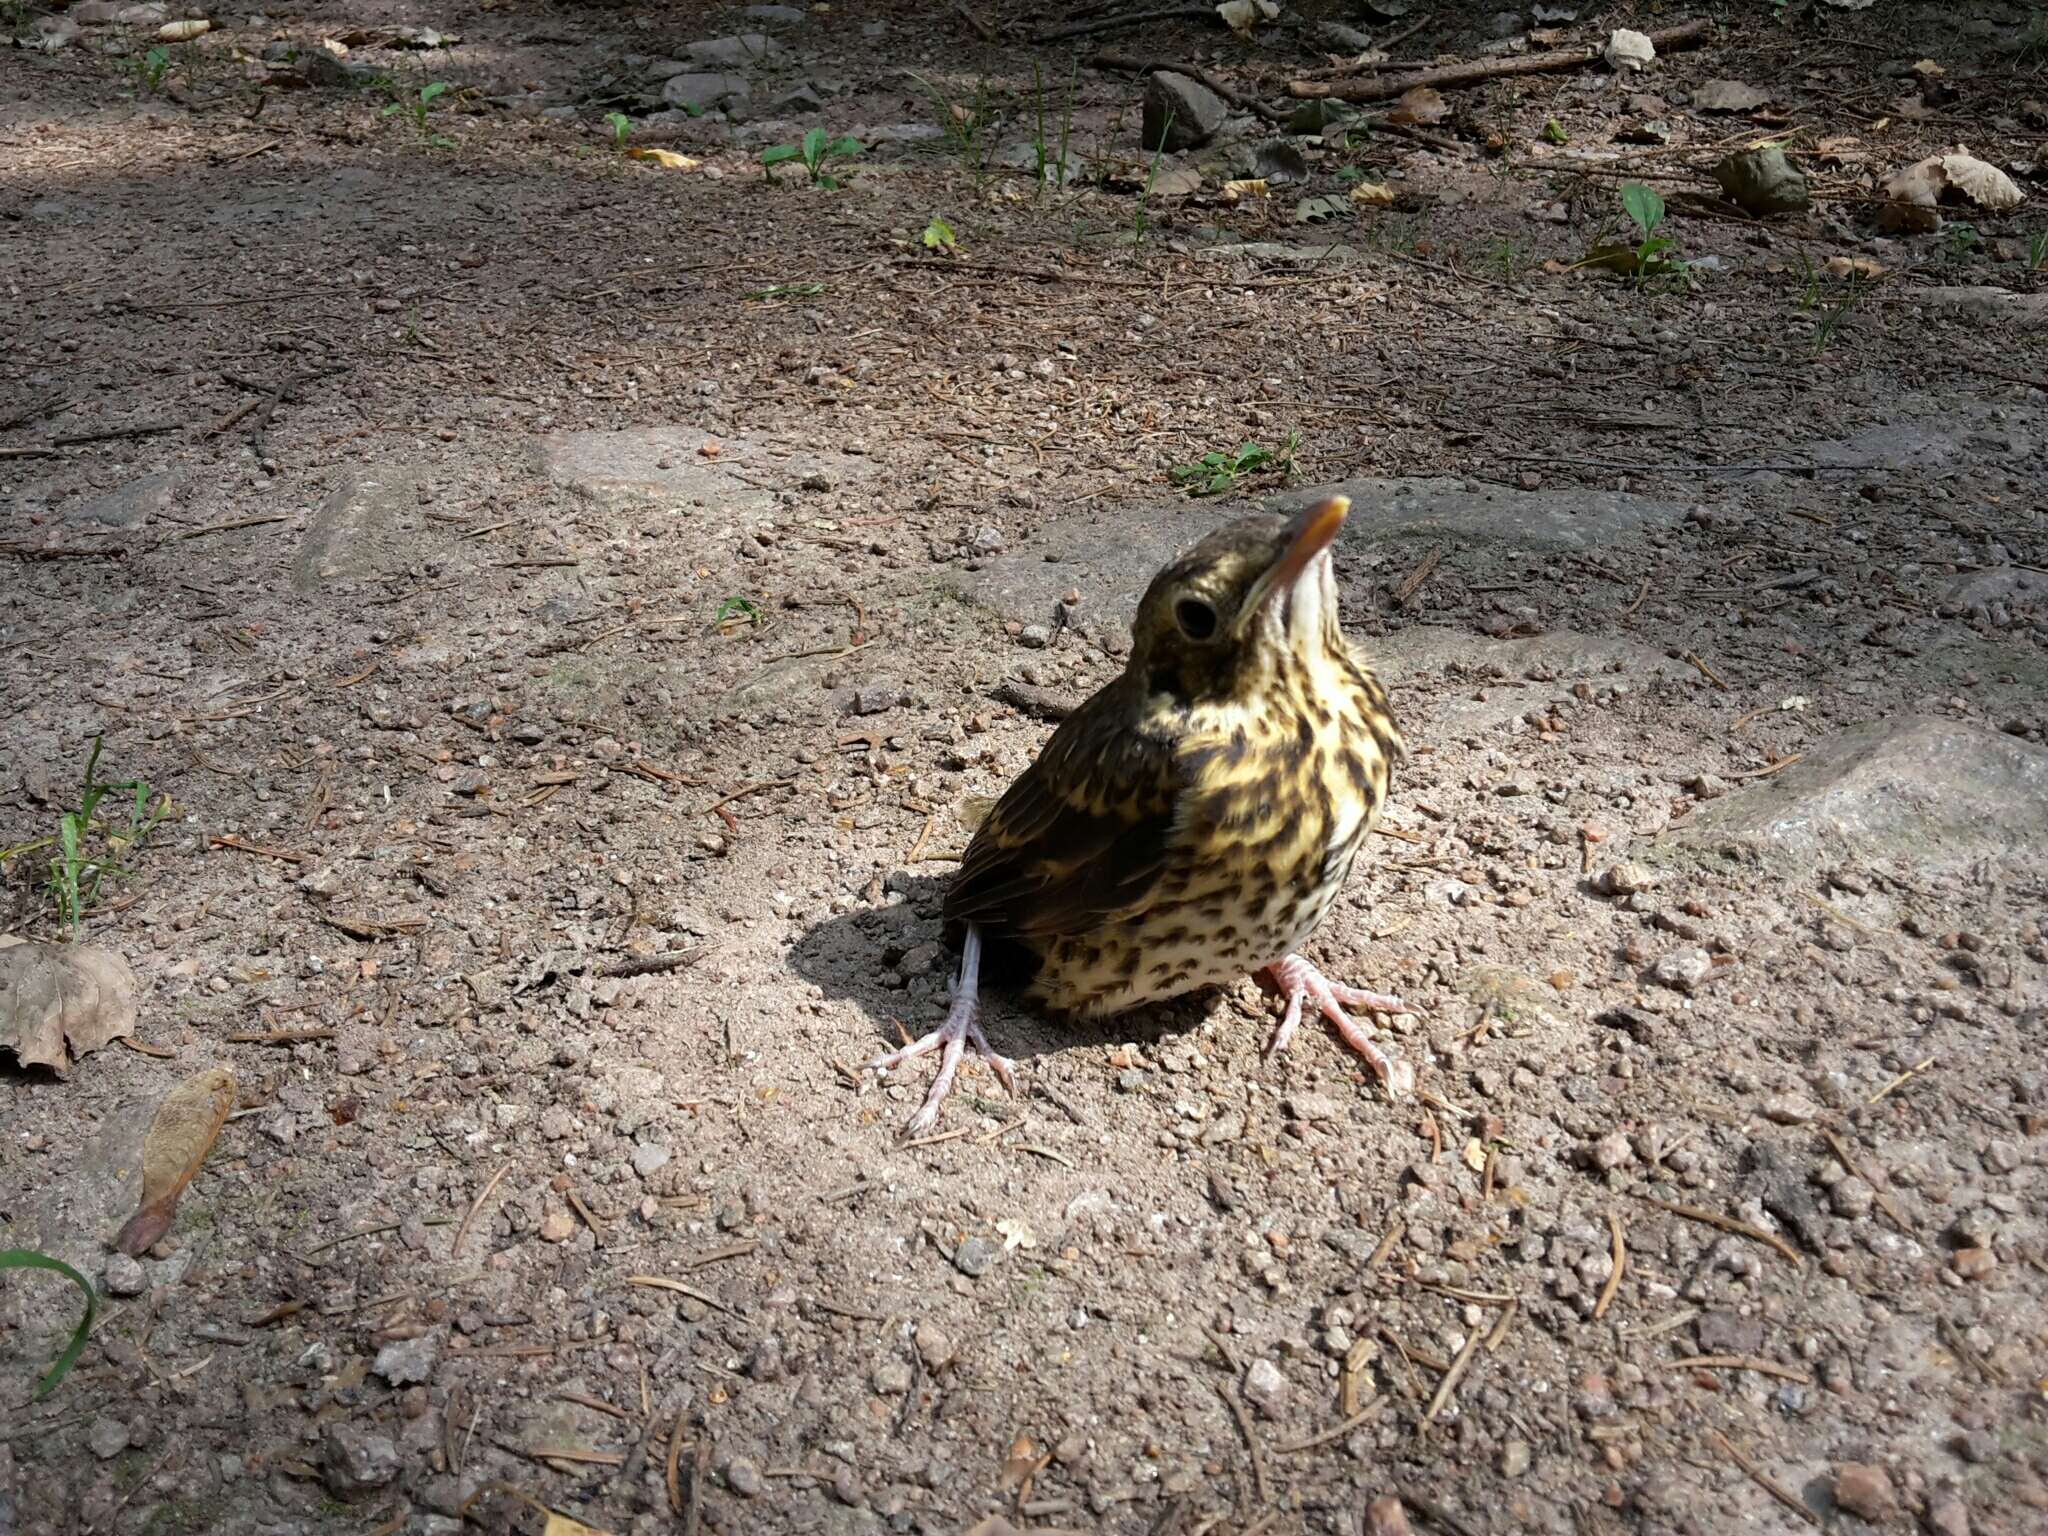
<point>1313,531</point>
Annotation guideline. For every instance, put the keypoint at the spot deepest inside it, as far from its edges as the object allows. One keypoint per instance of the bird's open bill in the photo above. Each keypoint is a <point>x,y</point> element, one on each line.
<point>1312,532</point>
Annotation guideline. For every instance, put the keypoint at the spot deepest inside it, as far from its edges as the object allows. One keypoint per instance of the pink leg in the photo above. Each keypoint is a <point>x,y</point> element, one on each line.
<point>951,1039</point>
<point>1295,979</point>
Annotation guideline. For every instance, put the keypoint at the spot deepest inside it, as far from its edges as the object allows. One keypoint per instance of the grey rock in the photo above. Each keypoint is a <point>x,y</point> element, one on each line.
<point>801,102</point>
<point>649,1158</point>
<point>123,1276</point>
<point>367,528</point>
<point>1937,794</point>
<point>1265,1388</point>
<point>696,92</point>
<point>727,53</point>
<point>129,506</point>
<point>893,1377</point>
<point>1610,1151</point>
<point>1729,96</point>
<point>1790,1109</point>
<point>1180,113</point>
<point>1730,1333</point>
<point>1335,35</point>
<point>355,1463</point>
<point>1514,1457</point>
<point>108,1438</point>
<point>1626,879</point>
<point>934,1347</point>
<point>1685,969</point>
<point>1034,637</point>
<point>406,1361</point>
<point>744,1478</point>
<point>974,1256</point>
<point>1762,182</point>
<point>1390,519</point>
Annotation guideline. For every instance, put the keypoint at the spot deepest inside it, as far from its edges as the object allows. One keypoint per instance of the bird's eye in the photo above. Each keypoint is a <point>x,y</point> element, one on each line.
<point>1196,618</point>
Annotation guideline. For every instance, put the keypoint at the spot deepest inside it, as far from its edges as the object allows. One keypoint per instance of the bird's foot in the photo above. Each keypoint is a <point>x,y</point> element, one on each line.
<point>951,1039</point>
<point>1295,979</point>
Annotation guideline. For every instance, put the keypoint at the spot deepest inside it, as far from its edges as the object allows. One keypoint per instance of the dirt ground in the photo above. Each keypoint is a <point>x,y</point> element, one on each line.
<point>577,607</point>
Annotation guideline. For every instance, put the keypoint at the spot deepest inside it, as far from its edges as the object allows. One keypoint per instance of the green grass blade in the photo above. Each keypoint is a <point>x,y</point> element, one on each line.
<point>28,1258</point>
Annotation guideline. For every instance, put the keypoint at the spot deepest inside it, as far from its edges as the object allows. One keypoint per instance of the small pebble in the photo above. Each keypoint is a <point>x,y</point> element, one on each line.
<point>1866,1491</point>
<point>123,1276</point>
<point>744,1478</point>
<point>974,1256</point>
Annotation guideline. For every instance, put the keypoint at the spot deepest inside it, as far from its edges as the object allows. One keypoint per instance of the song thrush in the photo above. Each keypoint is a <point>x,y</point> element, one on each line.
<point>1193,821</point>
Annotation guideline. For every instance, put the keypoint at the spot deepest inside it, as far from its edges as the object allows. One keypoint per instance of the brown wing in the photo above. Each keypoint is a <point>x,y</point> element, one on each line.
<point>1081,835</point>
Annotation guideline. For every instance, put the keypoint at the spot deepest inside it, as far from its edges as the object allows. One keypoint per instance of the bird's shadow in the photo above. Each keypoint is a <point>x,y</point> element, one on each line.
<point>881,959</point>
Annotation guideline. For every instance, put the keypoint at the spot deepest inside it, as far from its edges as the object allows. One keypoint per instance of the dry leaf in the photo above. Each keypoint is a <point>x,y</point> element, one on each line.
<point>1242,15</point>
<point>60,1001</point>
<point>182,31</point>
<point>1913,195</point>
<point>1022,1464</point>
<point>668,159</point>
<point>183,1132</point>
<point>1373,194</point>
<point>1729,96</point>
<point>1853,266</point>
<point>1420,106</point>
<point>1250,186</point>
<point>1475,1155</point>
<point>1628,52</point>
<point>562,1525</point>
<point>1016,1233</point>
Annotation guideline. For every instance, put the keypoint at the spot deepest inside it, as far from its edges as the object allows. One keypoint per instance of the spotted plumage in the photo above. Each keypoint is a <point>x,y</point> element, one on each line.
<point>1194,820</point>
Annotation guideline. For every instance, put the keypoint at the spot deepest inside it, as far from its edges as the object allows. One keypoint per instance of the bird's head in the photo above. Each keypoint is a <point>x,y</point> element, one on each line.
<point>1225,617</point>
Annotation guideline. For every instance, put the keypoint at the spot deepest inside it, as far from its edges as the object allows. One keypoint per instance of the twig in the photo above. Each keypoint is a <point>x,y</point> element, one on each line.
<point>1338,1432</point>
<point>1251,1440</point>
<point>262,850</point>
<point>1129,19</point>
<point>693,1518</point>
<point>1223,1348</point>
<point>227,527</point>
<point>655,965</point>
<point>1475,72</point>
<point>1614,1277</point>
<point>1730,1224</point>
<point>281,1037</point>
<point>1692,659</point>
<point>1900,1081</point>
<point>749,789</point>
<point>1454,1375</point>
<point>1848,1160</point>
<point>675,1452</point>
<point>151,429</point>
<point>1740,1363</point>
<point>455,1250</point>
<point>1768,768</point>
<point>662,1282</point>
<point>1763,1479</point>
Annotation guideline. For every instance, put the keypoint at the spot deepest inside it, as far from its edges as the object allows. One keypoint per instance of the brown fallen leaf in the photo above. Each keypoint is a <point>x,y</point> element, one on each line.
<point>183,1132</point>
<point>60,1001</point>
<point>1419,106</point>
<point>667,159</point>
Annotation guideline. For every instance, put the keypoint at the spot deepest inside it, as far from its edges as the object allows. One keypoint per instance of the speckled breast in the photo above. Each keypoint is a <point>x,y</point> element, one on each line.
<point>1280,799</point>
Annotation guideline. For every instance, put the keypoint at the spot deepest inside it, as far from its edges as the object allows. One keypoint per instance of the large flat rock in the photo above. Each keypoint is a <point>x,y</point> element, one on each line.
<point>1112,556</point>
<point>1917,790</point>
<point>667,466</point>
<point>369,527</point>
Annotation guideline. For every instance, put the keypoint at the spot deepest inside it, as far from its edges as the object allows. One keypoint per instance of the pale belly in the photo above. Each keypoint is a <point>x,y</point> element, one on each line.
<point>1252,873</point>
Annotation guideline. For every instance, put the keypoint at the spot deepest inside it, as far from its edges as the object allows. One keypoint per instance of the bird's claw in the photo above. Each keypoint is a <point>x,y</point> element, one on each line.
<point>951,1040</point>
<point>1295,979</point>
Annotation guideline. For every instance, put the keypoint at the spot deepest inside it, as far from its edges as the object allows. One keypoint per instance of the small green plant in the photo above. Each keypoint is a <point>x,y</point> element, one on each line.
<point>622,127</point>
<point>1652,259</point>
<point>1959,242</point>
<point>154,66</point>
<point>2037,251</point>
<point>76,870</point>
<point>1553,132</point>
<point>417,107</point>
<point>817,148</point>
<point>737,613</point>
<point>29,1258</point>
<point>938,235</point>
<point>1218,470</point>
<point>1144,214</point>
<point>1051,159</point>
<point>1508,257</point>
<point>967,128</point>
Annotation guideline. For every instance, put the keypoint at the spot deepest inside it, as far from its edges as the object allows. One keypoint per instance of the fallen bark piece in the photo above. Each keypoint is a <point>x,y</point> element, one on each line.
<point>186,1124</point>
<point>1476,72</point>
